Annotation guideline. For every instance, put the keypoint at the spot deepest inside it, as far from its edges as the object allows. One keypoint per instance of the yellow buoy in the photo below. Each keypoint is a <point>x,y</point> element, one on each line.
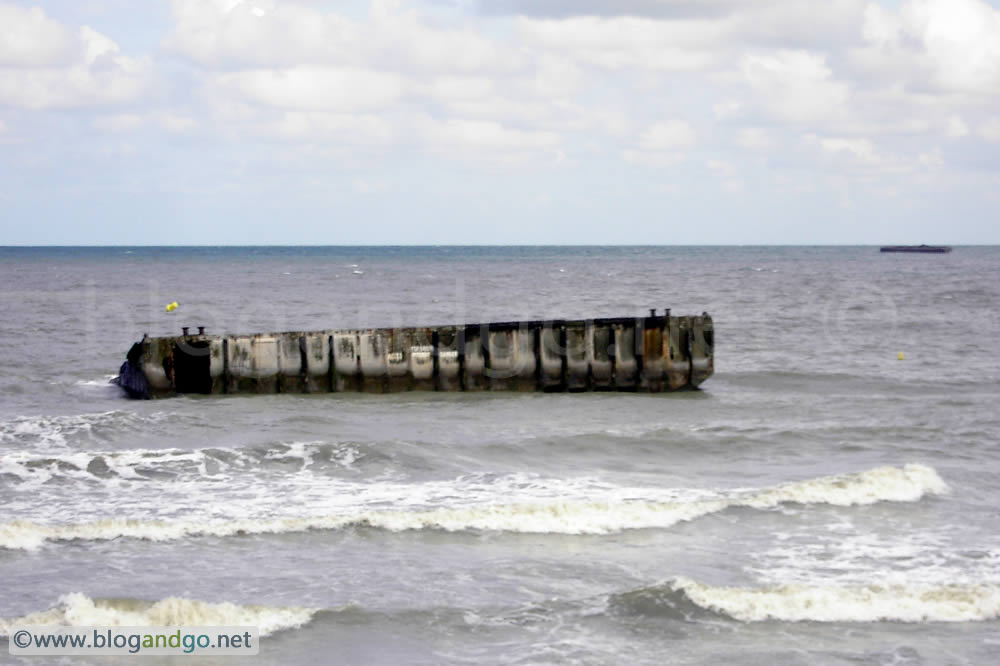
<point>172,306</point>
<point>900,356</point>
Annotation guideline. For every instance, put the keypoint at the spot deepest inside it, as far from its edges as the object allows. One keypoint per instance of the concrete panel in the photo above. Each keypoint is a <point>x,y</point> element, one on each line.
<point>626,365</point>
<point>318,354</point>
<point>512,358</point>
<point>577,367</point>
<point>398,352</point>
<point>289,354</point>
<point>475,361</point>
<point>345,353</point>
<point>216,361</point>
<point>527,363</point>
<point>653,365</point>
<point>448,367</point>
<point>253,364</point>
<point>600,355</point>
<point>422,357</point>
<point>677,364</point>
<point>702,354</point>
<point>551,352</point>
<point>373,348</point>
<point>155,362</point>
<point>253,357</point>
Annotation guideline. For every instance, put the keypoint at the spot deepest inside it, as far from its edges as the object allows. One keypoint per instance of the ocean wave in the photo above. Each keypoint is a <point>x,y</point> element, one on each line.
<point>145,464</point>
<point>105,380</point>
<point>687,598</point>
<point>79,610</point>
<point>572,516</point>
<point>55,431</point>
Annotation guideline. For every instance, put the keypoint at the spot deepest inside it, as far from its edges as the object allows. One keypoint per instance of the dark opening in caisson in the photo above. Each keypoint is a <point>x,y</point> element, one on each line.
<point>192,367</point>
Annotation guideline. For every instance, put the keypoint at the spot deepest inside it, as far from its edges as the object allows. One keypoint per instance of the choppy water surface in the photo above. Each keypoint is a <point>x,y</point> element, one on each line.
<point>820,501</point>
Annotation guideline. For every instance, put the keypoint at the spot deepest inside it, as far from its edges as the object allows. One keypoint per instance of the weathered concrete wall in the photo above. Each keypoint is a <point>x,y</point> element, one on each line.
<point>649,354</point>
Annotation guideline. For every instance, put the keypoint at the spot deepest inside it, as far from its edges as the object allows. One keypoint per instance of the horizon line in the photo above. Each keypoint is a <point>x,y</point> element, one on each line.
<point>493,245</point>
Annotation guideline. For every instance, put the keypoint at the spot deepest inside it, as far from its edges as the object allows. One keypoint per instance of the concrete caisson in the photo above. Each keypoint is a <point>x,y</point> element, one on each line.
<point>645,354</point>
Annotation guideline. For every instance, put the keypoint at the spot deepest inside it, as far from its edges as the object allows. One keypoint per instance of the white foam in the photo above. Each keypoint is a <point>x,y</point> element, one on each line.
<point>96,382</point>
<point>295,450</point>
<point>881,484</point>
<point>76,609</point>
<point>861,603</point>
<point>52,431</point>
<point>37,468</point>
<point>514,503</point>
<point>126,464</point>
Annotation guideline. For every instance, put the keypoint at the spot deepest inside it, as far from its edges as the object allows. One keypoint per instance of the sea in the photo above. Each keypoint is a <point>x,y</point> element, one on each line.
<point>830,495</point>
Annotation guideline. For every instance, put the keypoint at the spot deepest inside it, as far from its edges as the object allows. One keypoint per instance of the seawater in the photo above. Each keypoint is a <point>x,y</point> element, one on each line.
<point>819,501</point>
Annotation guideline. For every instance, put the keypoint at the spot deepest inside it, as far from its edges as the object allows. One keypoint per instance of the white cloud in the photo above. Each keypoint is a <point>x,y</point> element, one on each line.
<point>344,128</point>
<point>865,160</point>
<point>557,77</point>
<point>668,135</point>
<point>807,93</point>
<point>29,38</point>
<point>72,87</point>
<point>663,144</point>
<point>956,128</point>
<point>119,122</point>
<point>49,66</point>
<point>795,86</point>
<point>730,108</point>
<point>237,33</point>
<point>407,41</point>
<point>881,28</point>
<point>461,88</point>
<point>728,174</point>
<point>176,123</point>
<point>628,42</point>
<point>362,186</point>
<point>990,129</point>
<point>754,138</point>
<point>861,150</point>
<point>314,88</point>
<point>948,45</point>
<point>962,38</point>
<point>654,160</point>
<point>488,141</point>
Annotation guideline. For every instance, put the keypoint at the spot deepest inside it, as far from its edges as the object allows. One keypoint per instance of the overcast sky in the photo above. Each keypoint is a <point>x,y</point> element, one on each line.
<point>499,121</point>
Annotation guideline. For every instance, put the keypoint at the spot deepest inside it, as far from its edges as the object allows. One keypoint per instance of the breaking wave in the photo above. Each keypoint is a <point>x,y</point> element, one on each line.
<point>76,610</point>
<point>145,464</point>
<point>55,431</point>
<point>816,603</point>
<point>532,515</point>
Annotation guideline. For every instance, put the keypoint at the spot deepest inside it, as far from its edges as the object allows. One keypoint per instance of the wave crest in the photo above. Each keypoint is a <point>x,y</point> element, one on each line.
<point>906,484</point>
<point>817,603</point>
<point>77,609</point>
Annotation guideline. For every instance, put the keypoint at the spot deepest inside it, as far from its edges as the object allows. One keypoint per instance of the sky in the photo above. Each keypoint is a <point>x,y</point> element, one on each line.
<point>435,122</point>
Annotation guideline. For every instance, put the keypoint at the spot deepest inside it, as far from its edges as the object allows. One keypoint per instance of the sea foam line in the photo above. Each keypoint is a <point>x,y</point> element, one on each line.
<point>77,609</point>
<point>839,603</point>
<point>907,484</point>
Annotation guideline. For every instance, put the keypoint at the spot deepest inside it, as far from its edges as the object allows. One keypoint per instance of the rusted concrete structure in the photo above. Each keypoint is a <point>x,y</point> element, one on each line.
<point>646,354</point>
